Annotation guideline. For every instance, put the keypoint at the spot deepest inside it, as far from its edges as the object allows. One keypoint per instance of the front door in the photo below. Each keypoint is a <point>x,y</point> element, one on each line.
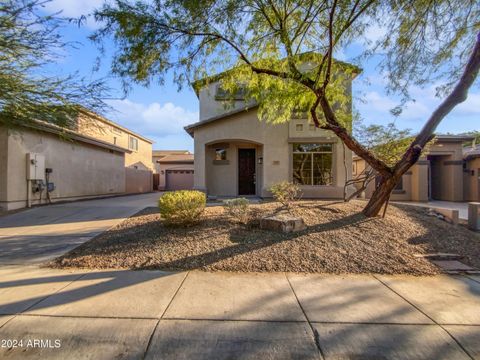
<point>246,171</point>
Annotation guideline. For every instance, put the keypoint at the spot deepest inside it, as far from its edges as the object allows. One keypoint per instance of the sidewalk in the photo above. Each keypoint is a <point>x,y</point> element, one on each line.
<point>198,315</point>
<point>462,207</point>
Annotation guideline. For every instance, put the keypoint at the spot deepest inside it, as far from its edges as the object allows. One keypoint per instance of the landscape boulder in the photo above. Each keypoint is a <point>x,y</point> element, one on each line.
<point>282,223</point>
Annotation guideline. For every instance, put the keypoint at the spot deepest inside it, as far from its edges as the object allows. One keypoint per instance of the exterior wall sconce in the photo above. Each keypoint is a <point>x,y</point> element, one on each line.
<point>260,160</point>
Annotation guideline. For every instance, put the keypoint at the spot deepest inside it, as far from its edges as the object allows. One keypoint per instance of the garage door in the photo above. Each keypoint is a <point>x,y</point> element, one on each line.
<point>179,180</point>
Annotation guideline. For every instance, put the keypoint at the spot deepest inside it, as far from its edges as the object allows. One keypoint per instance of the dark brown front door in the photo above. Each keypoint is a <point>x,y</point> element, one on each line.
<point>246,171</point>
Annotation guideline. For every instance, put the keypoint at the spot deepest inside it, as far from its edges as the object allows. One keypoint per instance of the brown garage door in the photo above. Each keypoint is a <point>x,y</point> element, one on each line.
<point>179,180</point>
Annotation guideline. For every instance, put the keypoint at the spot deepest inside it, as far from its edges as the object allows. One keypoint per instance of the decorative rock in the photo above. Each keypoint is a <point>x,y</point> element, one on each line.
<point>282,223</point>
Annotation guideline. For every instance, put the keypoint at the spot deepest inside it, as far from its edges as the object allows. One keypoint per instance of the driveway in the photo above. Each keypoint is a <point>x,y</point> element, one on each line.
<point>462,207</point>
<point>199,315</point>
<point>42,233</point>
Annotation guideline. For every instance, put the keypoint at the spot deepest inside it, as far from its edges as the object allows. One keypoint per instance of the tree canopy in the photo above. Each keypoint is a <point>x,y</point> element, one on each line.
<point>282,52</point>
<point>29,41</point>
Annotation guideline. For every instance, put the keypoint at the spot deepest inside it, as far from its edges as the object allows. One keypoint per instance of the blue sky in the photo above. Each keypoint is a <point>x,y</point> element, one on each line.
<point>160,112</point>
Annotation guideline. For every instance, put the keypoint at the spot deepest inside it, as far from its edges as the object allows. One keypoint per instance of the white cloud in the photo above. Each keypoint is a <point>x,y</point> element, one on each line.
<point>75,8</point>
<point>160,122</point>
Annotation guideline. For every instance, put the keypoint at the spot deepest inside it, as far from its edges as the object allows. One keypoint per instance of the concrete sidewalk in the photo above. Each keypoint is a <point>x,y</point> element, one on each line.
<point>462,207</point>
<point>42,233</point>
<point>197,315</point>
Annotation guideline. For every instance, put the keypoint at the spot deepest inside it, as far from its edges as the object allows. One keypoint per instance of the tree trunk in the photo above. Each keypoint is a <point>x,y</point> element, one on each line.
<point>381,195</point>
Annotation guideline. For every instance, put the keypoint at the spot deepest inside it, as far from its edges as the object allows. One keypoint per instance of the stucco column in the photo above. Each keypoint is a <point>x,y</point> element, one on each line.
<point>199,178</point>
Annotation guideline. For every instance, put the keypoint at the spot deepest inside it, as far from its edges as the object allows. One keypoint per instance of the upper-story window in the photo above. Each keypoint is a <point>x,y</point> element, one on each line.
<point>133,143</point>
<point>222,94</point>
<point>313,164</point>
<point>299,127</point>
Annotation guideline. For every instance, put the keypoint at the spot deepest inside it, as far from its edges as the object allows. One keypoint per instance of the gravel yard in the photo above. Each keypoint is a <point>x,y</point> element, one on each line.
<point>338,239</point>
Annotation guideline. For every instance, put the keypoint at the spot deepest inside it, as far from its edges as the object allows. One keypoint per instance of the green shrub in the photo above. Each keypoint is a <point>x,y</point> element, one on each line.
<point>182,207</point>
<point>238,209</point>
<point>285,192</point>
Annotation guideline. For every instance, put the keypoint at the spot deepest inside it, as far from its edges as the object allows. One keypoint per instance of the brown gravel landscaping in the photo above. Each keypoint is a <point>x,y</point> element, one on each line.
<point>338,239</point>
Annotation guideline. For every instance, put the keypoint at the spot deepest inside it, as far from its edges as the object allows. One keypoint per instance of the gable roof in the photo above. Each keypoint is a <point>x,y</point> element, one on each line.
<point>190,128</point>
<point>177,158</point>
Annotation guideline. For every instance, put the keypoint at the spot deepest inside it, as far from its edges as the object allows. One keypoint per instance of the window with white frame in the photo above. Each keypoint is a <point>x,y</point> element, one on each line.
<point>133,143</point>
<point>313,164</point>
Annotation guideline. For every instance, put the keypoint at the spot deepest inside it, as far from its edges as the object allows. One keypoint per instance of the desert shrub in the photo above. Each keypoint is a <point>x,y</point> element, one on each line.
<point>238,209</point>
<point>183,207</point>
<point>285,192</point>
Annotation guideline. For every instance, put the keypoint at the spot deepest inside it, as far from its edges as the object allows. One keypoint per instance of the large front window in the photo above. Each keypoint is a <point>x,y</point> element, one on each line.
<point>312,164</point>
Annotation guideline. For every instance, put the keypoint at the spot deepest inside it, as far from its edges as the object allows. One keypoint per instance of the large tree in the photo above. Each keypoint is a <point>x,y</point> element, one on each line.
<point>282,53</point>
<point>30,87</point>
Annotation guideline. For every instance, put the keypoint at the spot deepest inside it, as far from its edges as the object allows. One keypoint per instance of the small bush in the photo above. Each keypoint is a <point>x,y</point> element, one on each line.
<point>285,192</point>
<point>238,209</point>
<point>182,207</point>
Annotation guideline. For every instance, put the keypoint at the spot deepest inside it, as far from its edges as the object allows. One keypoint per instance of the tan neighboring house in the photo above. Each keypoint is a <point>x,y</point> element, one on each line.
<point>437,175</point>
<point>173,170</point>
<point>44,163</point>
<point>236,154</point>
<point>471,173</point>
<point>138,160</point>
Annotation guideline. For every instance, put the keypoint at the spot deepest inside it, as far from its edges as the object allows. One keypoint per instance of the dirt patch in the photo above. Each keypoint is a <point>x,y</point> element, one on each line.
<point>338,239</point>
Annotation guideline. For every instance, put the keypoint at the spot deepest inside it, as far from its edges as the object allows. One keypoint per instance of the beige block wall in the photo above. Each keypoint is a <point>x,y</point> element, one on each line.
<point>79,170</point>
<point>471,180</point>
<point>275,149</point>
<point>138,180</point>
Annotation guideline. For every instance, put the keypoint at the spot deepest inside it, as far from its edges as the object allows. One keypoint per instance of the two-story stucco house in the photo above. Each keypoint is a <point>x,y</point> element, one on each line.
<point>236,154</point>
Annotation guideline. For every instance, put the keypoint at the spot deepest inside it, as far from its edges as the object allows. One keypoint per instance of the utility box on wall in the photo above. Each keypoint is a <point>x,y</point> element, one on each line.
<point>35,166</point>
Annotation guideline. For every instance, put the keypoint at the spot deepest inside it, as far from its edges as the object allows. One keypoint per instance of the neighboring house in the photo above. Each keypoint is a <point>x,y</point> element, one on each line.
<point>236,154</point>
<point>138,160</point>
<point>471,174</point>
<point>173,170</point>
<point>80,167</point>
<point>437,175</point>
<point>78,163</point>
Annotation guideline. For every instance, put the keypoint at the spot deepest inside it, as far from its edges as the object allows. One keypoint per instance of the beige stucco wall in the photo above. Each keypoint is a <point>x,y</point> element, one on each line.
<point>210,107</point>
<point>471,178</point>
<point>272,143</point>
<point>79,170</point>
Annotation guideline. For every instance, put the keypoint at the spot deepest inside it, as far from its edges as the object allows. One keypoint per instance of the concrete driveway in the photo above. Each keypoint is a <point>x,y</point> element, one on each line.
<point>198,315</point>
<point>42,233</point>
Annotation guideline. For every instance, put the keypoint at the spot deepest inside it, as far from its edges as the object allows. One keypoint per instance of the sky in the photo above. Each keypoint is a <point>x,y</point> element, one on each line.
<point>160,112</point>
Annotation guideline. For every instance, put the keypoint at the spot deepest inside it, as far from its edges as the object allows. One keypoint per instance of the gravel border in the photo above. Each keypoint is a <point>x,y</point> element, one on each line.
<point>338,239</point>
